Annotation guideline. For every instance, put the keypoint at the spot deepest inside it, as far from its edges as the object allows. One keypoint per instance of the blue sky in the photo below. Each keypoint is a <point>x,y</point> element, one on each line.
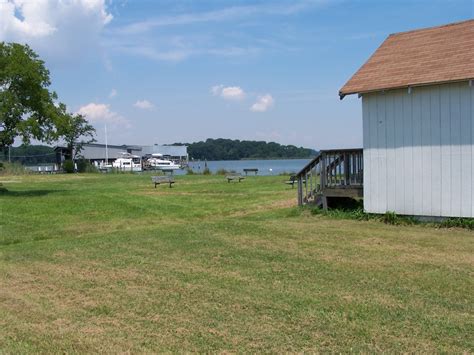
<point>181,71</point>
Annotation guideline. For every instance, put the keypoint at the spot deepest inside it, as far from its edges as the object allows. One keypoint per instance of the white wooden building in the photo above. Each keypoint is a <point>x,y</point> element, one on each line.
<point>418,122</point>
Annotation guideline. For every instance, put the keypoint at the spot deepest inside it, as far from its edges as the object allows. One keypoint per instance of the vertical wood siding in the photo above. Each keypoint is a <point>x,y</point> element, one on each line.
<point>419,151</point>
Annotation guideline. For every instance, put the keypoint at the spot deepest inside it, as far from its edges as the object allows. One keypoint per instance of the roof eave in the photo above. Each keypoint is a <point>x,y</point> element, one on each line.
<point>343,94</point>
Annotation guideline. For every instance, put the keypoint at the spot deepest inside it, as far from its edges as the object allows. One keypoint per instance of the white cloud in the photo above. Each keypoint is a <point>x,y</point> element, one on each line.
<point>263,103</point>
<point>113,93</point>
<point>216,90</point>
<point>144,104</point>
<point>144,37</point>
<point>229,92</point>
<point>55,28</point>
<point>232,51</point>
<point>97,113</point>
<point>23,19</point>
<point>171,49</point>
<point>230,13</point>
<point>35,22</point>
<point>233,93</point>
<point>150,52</point>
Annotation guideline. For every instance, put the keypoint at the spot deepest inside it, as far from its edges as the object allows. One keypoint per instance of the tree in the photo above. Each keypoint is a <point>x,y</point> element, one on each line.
<point>71,128</point>
<point>227,149</point>
<point>26,105</point>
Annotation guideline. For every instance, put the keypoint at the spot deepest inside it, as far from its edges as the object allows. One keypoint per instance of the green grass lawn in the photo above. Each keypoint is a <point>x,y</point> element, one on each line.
<point>108,263</point>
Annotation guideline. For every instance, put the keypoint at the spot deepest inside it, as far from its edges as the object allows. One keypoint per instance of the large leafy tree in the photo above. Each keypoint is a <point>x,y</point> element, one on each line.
<point>26,104</point>
<point>75,130</point>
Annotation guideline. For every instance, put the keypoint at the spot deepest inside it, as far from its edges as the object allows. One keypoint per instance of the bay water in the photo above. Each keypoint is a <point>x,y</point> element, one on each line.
<point>265,167</point>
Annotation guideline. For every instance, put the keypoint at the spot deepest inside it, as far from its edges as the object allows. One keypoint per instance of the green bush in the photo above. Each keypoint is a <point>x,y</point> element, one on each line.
<point>189,171</point>
<point>91,169</point>
<point>356,213</point>
<point>390,218</point>
<point>68,166</point>
<point>84,166</point>
<point>206,171</point>
<point>458,222</point>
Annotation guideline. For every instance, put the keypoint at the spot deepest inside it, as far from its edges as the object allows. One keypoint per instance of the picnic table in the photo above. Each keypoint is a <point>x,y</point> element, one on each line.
<point>250,170</point>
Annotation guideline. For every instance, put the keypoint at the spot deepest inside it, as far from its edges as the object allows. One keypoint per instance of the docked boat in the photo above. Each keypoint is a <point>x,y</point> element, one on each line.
<point>128,162</point>
<point>156,162</point>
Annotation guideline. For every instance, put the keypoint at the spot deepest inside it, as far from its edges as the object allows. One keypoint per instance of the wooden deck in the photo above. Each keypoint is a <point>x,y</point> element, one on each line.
<point>332,174</point>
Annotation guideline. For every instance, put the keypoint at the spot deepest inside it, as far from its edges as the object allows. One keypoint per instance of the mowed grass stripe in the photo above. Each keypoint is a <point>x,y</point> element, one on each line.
<point>247,273</point>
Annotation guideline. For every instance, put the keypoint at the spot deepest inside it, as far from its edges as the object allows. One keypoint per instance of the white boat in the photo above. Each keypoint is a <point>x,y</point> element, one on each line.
<point>156,162</point>
<point>128,162</point>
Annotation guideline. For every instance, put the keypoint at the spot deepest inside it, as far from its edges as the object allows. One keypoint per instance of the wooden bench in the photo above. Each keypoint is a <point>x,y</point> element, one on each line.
<point>250,170</point>
<point>162,180</point>
<point>232,177</point>
<point>293,180</point>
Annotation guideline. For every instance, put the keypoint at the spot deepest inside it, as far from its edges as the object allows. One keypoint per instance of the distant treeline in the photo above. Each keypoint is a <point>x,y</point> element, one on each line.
<point>211,149</point>
<point>29,154</point>
<point>228,149</point>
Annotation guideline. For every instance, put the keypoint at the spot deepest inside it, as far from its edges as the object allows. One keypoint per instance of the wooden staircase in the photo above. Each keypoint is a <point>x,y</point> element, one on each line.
<point>332,174</point>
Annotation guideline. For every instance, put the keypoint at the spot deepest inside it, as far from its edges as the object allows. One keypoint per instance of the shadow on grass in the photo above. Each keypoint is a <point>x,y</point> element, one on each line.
<point>17,240</point>
<point>27,193</point>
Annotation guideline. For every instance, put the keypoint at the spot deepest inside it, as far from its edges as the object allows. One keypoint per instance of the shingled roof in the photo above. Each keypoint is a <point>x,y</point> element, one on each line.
<point>421,57</point>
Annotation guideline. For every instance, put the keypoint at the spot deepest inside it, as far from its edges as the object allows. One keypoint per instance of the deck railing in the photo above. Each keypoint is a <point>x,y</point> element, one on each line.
<point>330,169</point>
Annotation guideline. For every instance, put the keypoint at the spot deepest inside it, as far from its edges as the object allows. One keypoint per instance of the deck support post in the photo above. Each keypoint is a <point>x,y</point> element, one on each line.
<point>324,201</point>
<point>300,191</point>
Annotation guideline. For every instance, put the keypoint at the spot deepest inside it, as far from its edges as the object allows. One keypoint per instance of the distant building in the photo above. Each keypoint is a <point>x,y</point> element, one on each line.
<point>95,152</point>
<point>172,152</point>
